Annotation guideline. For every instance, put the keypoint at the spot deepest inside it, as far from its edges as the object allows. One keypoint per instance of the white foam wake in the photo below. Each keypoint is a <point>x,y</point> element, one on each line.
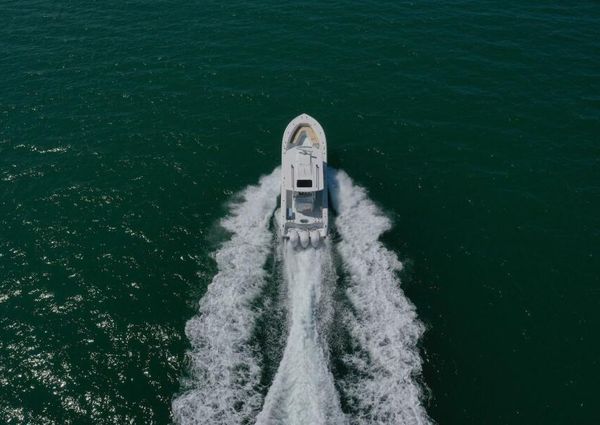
<point>382,322</point>
<point>303,391</point>
<point>224,374</point>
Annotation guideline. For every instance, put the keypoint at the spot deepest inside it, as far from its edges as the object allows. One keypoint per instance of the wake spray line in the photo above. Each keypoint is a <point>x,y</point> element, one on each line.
<point>382,322</point>
<point>224,374</point>
<point>303,391</point>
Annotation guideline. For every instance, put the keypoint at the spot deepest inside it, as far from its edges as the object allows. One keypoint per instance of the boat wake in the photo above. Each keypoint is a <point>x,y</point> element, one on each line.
<point>224,373</point>
<point>380,383</point>
<point>384,388</point>
<point>303,391</point>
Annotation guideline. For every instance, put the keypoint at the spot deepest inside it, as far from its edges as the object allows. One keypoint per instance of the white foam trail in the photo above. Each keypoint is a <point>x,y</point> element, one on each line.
<point>224,374</point>
<point>303,391</point>
<point>383,322</point>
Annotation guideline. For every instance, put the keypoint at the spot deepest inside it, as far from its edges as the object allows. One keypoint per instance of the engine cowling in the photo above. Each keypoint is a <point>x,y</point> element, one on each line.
<point>294,238</point>
<point>315,238</point>
<point>304,238</point>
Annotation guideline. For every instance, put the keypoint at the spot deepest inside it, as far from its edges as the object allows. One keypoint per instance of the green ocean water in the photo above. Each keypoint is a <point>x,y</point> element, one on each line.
<point>127,127</point>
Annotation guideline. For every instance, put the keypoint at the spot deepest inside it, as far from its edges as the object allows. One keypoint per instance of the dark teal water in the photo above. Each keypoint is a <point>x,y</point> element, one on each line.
<point>125,128</point>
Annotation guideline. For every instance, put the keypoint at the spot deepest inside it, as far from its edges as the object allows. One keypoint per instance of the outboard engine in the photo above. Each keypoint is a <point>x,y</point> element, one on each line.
<point>315,238</point>
<point>294,238</point>
<point>304,238</point>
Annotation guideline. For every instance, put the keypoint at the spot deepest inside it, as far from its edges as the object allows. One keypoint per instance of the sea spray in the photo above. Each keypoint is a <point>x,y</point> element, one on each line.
<point>382,321</point>
<point>303,390</point>
<point>224,373</point>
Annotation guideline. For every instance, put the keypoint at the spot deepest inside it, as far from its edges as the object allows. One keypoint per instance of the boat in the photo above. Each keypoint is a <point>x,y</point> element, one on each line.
<point>304,208</point>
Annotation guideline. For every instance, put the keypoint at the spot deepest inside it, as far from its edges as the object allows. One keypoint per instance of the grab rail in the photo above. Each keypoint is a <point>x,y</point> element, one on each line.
<point>293,180</point>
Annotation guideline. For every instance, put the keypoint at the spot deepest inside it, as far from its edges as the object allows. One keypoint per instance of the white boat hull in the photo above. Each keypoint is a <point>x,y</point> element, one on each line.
<point>304,207</point>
